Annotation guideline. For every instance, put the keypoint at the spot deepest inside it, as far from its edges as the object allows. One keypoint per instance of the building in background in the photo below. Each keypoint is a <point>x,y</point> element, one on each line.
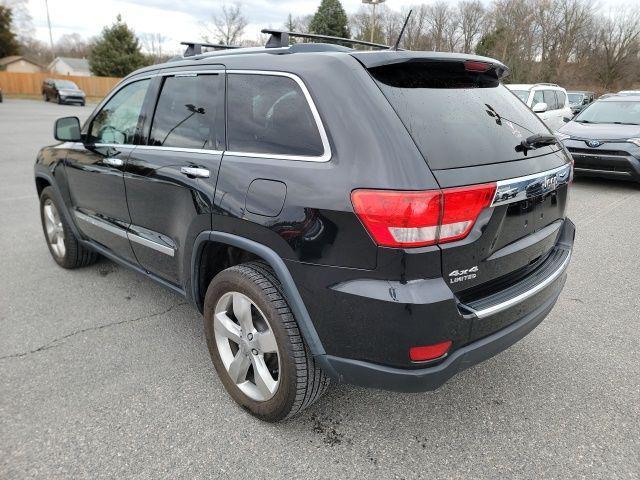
<point>18,64</point>
<point>78,67</point>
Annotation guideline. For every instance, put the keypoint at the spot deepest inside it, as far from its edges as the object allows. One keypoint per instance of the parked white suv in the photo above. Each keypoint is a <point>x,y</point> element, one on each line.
<point>548,100</point>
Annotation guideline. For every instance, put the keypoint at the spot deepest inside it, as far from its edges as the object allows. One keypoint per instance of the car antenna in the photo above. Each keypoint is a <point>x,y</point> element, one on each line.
<point>406,20</point>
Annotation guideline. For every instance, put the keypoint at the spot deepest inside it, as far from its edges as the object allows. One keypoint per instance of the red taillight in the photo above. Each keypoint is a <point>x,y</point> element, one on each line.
<point>462,205</point>
<point>399,219</point>
<point>429,352</point>
<point>476,66</point>
<point>417,219</point>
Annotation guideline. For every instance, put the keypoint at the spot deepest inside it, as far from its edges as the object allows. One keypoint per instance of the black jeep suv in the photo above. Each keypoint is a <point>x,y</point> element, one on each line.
<point>383,218</point>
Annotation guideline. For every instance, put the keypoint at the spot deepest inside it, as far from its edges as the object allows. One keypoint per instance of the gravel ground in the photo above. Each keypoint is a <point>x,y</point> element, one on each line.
<point>106,375</point>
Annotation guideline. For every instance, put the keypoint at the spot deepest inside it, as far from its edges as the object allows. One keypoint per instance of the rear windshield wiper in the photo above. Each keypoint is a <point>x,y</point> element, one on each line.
<point>536,141</point>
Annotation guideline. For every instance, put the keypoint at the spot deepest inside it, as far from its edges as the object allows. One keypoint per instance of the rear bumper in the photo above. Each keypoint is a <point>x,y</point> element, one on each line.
<point>496,322</point>
<point>404,380</point>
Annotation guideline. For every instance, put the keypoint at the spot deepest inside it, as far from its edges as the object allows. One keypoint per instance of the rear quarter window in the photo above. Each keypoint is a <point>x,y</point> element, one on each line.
<point>270,115</point>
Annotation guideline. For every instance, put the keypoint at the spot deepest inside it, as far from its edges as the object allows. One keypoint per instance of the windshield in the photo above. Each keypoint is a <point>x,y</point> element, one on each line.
<point>522,94</point>
<point>627,113</point>
<point>66,84</point>
<point>456,118</point>
<point>575,97</point>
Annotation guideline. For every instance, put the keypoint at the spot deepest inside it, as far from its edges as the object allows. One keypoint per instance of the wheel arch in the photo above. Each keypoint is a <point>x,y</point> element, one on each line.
<point>281,271</point>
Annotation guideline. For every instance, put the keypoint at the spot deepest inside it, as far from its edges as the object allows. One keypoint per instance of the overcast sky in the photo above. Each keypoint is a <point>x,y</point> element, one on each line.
<point>181,20</point>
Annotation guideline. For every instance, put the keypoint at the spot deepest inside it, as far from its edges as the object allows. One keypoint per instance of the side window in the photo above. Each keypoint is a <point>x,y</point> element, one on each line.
<point>118,120</point>
<point>561,97</point>
<point>550,99</point>
<point>185,115</point>
<point>537,98</point>
<point>269,114</point>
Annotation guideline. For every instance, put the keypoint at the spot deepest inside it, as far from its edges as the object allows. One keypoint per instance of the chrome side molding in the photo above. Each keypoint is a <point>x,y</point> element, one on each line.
<point>521,188</point>
<point>124,233</point>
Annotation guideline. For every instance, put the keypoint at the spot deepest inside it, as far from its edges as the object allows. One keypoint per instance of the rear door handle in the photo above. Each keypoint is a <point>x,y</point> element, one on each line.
<point>195,172</point>
<point>114,162</point>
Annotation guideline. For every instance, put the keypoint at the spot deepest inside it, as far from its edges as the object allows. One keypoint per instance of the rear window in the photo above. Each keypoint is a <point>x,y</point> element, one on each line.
<point>521,94</point>
<point>458,118</point>
<point>269,114</point>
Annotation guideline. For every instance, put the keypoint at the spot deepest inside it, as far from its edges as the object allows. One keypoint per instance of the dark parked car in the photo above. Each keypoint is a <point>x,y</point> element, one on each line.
<point>604,139</point>
<point>383,218</point>
<point>62,91</point>
<point>579,100</point>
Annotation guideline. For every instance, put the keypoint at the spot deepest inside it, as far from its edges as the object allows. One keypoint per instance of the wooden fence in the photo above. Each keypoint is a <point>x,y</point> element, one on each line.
<point>31,83</point>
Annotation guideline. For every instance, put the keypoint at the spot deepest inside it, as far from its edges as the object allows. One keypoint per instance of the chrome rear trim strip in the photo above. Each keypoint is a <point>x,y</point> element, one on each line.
<point>487,312</point>
<point>521,188</point>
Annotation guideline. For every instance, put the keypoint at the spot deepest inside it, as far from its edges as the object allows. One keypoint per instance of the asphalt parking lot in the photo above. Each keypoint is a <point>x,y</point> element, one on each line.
<point>106,374</point>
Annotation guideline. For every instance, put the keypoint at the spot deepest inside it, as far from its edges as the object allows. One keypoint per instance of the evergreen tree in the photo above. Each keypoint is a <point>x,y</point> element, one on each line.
<point>330,19</point>
<point>8,43</point>
<point>116,52</point>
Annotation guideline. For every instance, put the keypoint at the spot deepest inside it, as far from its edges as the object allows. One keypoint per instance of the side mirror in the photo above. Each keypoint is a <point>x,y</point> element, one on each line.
<point>67,129</point>
<point>540,107</point>
<point>566,119</point>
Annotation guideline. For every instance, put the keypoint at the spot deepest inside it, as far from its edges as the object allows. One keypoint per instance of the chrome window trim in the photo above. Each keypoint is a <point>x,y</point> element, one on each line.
<point>326,155</point>
<point>123,233</point>
<point>486,312</point>
<point>516,189</point>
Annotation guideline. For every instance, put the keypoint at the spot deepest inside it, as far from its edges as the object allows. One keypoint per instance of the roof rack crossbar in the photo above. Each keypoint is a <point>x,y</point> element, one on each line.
<point>280,38</point>
<point>195,48</point>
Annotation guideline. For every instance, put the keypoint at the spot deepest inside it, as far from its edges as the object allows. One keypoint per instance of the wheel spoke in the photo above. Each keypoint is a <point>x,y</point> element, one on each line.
<point>266,342</point>
<point>242,312</point>
<point>262,377</point>
<point>238,367</point>
<point>48,211</point>
<point>226,327</point>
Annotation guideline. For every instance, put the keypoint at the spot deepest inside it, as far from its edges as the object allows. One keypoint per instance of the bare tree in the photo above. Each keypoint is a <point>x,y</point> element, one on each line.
<point>439,27</point>
<point>72,45</point>
<point>152,44</point>
<point>472,23</point>
<point>618,46</point>
<point>22,19</point>
<point>227,25</point>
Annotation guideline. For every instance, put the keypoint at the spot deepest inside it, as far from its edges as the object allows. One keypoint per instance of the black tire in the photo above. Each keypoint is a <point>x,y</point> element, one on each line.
<point>301,381</point>
<point>75,254</point>
<point>59,99</point>
<point>45,97</point>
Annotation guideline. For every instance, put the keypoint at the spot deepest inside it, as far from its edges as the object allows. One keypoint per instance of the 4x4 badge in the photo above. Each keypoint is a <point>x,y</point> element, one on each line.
<point>463,275</point>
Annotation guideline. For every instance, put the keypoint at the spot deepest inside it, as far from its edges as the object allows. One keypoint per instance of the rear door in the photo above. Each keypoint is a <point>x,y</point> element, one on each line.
<point>170,180</point>
<point>467,126</point>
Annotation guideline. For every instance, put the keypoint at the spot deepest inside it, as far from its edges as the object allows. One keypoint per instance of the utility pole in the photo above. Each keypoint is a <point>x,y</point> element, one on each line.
<point>373,4</point>
<point>53,53</point>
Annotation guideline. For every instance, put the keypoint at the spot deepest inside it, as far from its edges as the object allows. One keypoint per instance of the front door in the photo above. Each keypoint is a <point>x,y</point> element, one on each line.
<point>170,181</point>
<point>95,170</point>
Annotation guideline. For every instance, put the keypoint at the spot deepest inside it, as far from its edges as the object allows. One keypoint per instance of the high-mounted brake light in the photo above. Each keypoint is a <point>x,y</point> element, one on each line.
<point>420,218</point>
<point>476,66</point>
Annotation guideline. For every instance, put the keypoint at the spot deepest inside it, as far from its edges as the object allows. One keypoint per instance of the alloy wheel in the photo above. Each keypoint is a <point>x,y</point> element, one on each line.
<point>247,346</point>
<point>53,227</point>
